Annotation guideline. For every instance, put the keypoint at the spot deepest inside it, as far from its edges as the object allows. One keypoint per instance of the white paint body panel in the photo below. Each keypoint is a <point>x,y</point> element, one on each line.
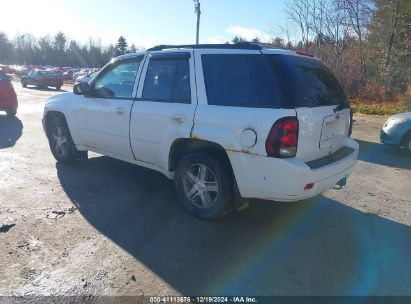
<point>103,124</point>
<point>154,125</point>
<point>146,139</point>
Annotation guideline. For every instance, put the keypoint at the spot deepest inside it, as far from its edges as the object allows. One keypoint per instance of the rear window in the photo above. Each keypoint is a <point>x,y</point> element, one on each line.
<point>305,82</point>
<point>239,80</point>
<point>48,73</point>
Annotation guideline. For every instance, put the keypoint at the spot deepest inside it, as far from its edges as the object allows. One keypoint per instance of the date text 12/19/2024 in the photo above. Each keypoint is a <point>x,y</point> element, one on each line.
<point>203,299</point>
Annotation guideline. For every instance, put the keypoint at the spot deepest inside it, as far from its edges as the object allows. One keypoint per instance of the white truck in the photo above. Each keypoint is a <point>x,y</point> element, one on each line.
<point>226,122</point>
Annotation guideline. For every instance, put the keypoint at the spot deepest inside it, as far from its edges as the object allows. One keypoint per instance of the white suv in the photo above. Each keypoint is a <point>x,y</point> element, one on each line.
<point>226,122</point>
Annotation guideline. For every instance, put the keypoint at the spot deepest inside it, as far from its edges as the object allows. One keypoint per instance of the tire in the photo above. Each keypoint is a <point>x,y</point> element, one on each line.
<point>407,143</point>
<point>11,112</point>
<point>23,84</point>
<point>192,173</point>
<point>36,84</point>
<point>61,143</point>
<point>58,88</point>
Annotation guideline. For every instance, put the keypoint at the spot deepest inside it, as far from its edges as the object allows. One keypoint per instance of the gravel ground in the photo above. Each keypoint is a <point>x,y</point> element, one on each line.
<point>104,227</point>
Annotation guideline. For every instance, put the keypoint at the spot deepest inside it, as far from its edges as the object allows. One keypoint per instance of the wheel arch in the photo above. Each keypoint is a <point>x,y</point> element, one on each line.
<point>49,116</point>
<point>182,146</point>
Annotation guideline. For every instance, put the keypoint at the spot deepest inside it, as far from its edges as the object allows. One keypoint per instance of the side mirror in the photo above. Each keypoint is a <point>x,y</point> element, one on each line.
<point>81,88</point>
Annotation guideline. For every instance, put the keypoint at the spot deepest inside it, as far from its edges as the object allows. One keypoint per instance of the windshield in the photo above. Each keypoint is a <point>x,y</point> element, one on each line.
<point>305,82</point>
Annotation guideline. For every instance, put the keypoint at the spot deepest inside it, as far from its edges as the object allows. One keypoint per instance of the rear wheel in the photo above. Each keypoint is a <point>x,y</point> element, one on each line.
<point>407,143</point>
<point>61,144</point>
<point>23,84</point>
<point>11,112</point>
<point>204,185</point>
<point>58,88</point>
<point>36,83</point>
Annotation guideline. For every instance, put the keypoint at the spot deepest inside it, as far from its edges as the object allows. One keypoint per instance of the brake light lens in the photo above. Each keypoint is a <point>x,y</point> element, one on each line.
<point>282,140</point>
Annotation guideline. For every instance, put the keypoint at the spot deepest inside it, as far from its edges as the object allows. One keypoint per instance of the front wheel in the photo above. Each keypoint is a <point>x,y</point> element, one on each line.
<point>58,88</point>
<point>407,143</point>
<point>61,144</point>
<point>204,185</point>
<point>23,84</point>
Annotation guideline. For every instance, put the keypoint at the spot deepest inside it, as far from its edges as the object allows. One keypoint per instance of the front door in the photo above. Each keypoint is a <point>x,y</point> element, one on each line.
<point>104,112</point>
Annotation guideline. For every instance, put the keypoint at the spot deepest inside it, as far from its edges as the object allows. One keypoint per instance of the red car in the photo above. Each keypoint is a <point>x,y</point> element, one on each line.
<point>42,79</point>
<point>8,98</point>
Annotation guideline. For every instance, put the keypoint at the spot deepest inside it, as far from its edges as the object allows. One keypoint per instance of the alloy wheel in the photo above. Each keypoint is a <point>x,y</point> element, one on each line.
<point>59,141</point>
<point>200,186</point>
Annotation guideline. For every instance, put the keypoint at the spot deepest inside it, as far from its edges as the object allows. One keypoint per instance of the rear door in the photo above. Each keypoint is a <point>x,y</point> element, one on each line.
<point>164,109</point>
<point>321,105</point>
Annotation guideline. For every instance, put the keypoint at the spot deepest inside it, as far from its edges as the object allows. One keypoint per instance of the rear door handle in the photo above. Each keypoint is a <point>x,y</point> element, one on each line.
<point>120,111</point>
<point>179,118</point>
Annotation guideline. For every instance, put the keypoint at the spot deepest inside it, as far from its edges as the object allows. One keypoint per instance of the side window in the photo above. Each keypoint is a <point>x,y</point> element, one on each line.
<point>168,80</point>
<point>239,81</point>
<point>118,81</point>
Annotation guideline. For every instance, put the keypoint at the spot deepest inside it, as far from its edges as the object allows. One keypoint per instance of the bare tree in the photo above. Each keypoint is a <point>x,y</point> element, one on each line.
<point>299,12</point>
<point>357,15</point>
<point>392,33</point>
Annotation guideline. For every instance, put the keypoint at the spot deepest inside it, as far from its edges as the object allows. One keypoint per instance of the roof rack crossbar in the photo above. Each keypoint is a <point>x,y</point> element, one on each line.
<point>244,46</point>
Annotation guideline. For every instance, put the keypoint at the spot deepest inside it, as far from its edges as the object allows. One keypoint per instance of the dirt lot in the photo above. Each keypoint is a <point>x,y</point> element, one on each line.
<point>104,227</point>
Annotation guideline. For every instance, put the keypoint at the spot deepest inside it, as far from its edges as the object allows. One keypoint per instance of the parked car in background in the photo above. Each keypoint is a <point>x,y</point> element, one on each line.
<point>68,75</point>
<point>81,73</point>
<point>86,78</point>
<point>42,79</point>
<point>226,122</point>
<point>8,97</point>
<point>397,131</point>
<point>20,70</point>
<point>7,69</point>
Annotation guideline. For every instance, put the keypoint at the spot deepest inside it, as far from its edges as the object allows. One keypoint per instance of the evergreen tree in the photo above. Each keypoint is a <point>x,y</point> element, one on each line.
<point>121,46</point>
<point>6,49</point>
<point>238,39</point>
<point>59,43</point>
<point>133,48</point>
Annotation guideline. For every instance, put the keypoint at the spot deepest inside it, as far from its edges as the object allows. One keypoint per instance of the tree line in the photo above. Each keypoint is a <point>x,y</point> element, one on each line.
<point>366,43</point>
<point>59,51</point>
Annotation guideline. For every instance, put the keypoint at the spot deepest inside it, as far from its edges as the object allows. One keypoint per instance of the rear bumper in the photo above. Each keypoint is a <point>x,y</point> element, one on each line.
<point>50,83</point>
<point>8,104</point>
<point>284,179</point>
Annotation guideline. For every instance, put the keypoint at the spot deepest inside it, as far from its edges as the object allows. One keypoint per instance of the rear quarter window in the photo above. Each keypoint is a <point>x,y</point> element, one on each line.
<point>239,80</point>
<point>305,82</point>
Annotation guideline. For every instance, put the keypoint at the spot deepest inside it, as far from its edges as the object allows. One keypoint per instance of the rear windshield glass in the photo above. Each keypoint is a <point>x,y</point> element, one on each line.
<point>48,73</point>
<point>305,82</point>
<point>239,80</point>
<point>4,78</point>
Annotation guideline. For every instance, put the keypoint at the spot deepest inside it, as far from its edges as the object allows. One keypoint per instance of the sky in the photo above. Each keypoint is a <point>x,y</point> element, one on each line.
<point>144,22</point>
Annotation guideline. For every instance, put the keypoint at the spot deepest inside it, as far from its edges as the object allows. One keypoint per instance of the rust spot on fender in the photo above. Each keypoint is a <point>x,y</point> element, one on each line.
<point>232,149</point>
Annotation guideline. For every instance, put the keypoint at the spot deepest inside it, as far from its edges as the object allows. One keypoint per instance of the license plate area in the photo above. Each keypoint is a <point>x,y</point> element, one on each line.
<point>334,131</point>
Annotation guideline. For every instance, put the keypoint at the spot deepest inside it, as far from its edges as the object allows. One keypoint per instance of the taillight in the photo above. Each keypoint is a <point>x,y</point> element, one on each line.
<point>283,138</point>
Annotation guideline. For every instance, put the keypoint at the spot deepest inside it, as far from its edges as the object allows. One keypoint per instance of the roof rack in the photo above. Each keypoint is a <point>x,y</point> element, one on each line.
<point>242,46</point>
